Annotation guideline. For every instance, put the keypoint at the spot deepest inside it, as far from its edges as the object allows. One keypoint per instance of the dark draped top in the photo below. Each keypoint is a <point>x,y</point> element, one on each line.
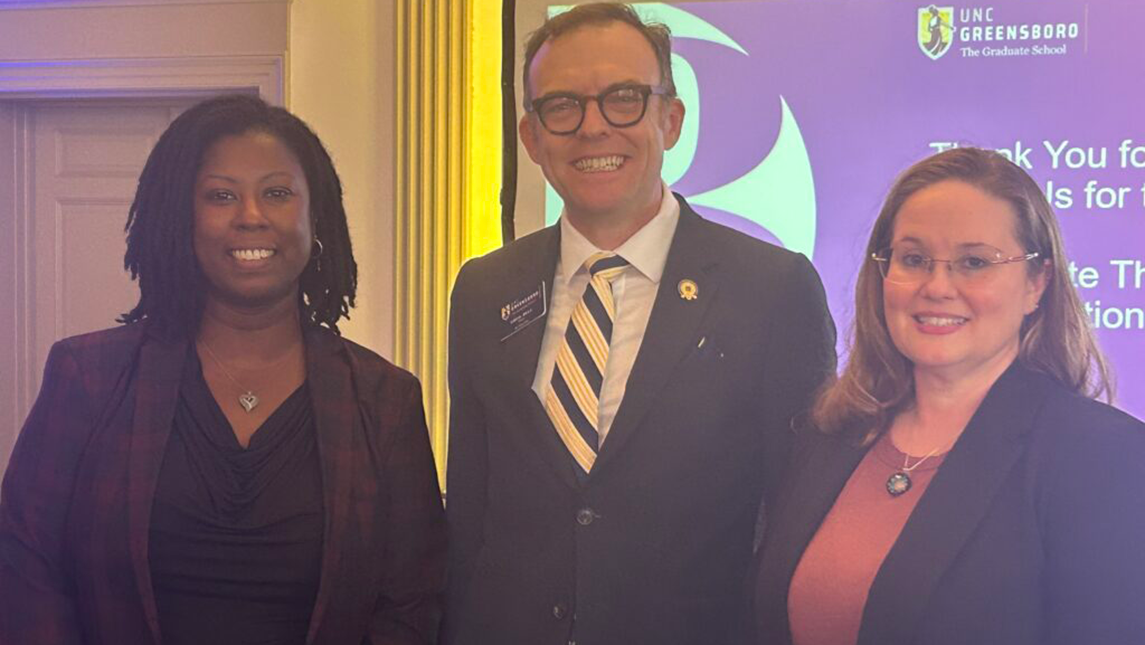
<point>236,533</point>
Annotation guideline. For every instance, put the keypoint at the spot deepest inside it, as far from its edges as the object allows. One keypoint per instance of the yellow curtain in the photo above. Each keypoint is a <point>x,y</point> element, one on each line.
<point>448,176</point>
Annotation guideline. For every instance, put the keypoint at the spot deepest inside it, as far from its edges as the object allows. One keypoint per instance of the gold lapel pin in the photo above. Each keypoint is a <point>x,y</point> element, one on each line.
<point>688,289</point>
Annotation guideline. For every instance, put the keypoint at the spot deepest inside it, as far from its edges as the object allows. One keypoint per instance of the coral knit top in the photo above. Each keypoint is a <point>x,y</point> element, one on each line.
<point>829,589</point>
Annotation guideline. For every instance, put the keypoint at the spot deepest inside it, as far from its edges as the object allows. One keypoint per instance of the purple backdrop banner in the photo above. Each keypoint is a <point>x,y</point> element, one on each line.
<point>800,115</point>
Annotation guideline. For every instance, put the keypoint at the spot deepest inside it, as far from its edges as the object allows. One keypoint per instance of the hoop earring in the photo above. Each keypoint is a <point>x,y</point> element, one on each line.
<point>320,249</point>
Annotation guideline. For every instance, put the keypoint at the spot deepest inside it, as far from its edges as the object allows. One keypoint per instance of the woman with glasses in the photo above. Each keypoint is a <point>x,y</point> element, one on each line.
<point>958,483</point>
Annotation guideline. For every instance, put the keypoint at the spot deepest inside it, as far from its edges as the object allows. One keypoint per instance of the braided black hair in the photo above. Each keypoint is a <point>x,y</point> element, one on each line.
<point>160,224</point>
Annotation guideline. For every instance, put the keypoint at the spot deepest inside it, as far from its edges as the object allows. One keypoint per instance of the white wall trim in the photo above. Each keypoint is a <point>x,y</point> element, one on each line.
<point>139,77</point>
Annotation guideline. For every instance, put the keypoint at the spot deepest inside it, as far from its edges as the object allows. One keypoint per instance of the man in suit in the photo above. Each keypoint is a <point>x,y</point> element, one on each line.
<point>605,474</point>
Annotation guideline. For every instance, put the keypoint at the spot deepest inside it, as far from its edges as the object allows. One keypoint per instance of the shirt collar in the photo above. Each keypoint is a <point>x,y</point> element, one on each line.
<point>646,250</point>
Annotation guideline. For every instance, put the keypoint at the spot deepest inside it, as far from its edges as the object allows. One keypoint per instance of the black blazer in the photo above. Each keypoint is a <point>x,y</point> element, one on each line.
<point>654,545</point>
<point>1032,531</point>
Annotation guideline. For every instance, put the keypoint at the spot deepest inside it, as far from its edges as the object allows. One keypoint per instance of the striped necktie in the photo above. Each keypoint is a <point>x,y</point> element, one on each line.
<point>573,396</point>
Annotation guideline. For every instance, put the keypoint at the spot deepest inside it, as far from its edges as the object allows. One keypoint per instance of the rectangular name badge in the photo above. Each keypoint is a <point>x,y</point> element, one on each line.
<point>520,313</point>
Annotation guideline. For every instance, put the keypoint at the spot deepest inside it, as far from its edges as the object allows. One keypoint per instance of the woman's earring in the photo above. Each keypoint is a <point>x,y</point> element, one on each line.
<point>316,258</point>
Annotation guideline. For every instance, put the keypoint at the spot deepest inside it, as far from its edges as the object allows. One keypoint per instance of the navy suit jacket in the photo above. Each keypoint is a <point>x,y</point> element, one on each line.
<point>653,546</point>
<point>1031,533</point>
<point>76,501</point>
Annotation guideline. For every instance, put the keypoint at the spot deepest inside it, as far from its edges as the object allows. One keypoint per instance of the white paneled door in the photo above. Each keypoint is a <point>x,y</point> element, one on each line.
<point>73,171</point>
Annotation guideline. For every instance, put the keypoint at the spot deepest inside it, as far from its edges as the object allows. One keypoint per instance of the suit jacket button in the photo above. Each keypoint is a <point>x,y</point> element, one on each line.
<point>560,610</point>
<point>585,516</point>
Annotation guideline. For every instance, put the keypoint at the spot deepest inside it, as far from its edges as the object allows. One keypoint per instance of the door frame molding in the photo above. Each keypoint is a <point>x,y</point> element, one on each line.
<point>143,77</point>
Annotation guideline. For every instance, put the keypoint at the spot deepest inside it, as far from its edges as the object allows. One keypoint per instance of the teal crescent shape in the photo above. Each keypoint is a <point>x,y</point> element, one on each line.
<point>553,205</point>
<point>778,194</point>
<point>679,158</point>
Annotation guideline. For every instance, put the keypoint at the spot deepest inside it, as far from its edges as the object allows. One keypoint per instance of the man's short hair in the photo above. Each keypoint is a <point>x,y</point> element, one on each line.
<point>598,14</point>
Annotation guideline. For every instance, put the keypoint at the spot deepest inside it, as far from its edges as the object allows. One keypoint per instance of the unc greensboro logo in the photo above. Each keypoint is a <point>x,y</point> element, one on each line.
<point>935,30</point>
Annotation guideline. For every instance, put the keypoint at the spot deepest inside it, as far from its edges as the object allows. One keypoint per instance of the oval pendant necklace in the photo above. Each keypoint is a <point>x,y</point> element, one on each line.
<point>899,482</point>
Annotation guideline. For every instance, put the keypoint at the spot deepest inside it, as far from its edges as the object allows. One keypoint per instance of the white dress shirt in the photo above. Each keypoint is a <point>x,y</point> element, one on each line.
<point>633,292</point>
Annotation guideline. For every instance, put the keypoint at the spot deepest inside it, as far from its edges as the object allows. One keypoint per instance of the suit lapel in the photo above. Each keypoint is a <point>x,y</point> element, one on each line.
<point>334,399</point>
<point>818,473</point>
<point>950,510</point>
<point>157,391</point>
<point>520,354</point>
<point>673,328</point>
<point>522,350</point>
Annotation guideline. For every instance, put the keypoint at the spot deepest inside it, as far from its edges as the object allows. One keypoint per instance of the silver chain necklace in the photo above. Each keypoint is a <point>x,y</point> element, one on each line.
<point>247,399</point>
<point>899,482</point>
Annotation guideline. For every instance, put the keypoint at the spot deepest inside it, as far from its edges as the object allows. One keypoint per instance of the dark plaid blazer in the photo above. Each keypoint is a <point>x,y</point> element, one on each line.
<point>76,500</point>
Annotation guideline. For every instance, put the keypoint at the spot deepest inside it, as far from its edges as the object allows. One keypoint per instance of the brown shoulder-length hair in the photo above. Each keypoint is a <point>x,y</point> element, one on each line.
<point>598,14</point>
<point>1056,338</point>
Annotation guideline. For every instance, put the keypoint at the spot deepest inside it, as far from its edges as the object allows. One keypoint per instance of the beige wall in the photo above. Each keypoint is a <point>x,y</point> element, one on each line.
<point>341,81</point>
<point>105,30</point>
<point>339,78</point>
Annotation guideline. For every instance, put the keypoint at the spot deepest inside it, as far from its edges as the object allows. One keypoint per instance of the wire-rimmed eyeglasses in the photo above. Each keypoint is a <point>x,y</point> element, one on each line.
<point>908,265</point>
<point>622,106</point>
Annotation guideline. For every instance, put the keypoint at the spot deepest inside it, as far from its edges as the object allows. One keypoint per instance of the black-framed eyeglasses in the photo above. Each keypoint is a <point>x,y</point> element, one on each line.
<point>907,265</point>
<point>623,106</point>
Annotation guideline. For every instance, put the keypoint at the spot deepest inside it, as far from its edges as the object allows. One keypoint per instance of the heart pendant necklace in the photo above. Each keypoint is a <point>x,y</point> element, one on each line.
<point>247,399</point>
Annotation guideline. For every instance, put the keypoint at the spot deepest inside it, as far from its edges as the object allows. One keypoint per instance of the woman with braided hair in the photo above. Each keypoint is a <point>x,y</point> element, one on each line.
<point>225,467</point>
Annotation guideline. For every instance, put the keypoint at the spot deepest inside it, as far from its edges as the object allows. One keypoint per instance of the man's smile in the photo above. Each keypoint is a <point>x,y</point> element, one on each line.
<point>607,163</point>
